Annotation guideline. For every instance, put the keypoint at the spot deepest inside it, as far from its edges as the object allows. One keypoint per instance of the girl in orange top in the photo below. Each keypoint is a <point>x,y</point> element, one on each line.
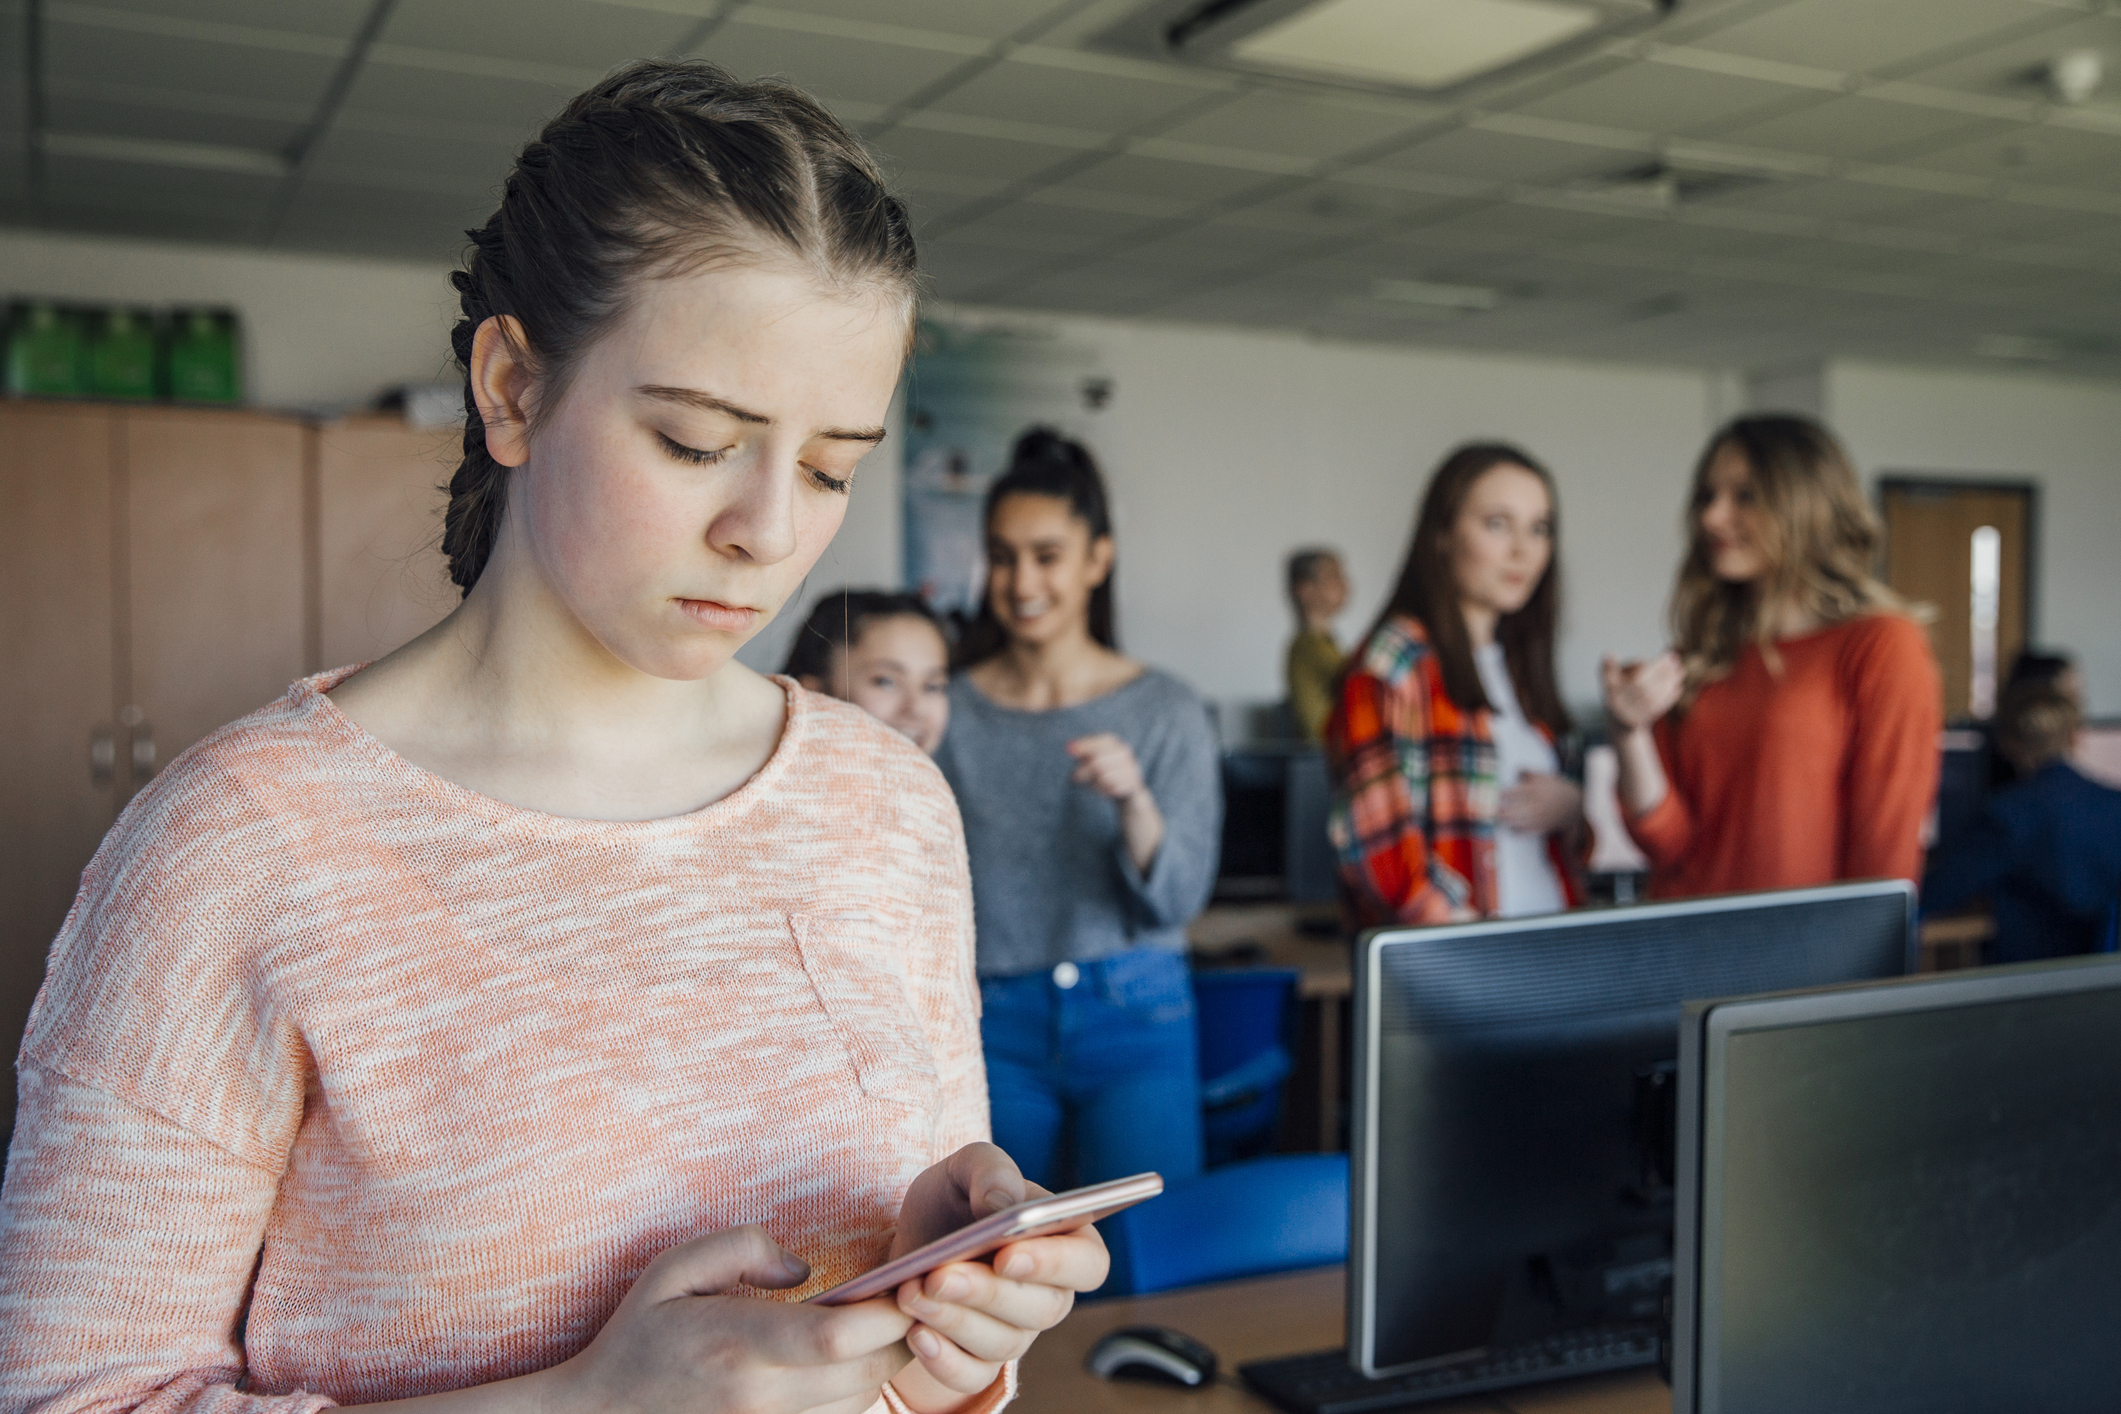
<point>1790,738</point>
<point>531,1019</point>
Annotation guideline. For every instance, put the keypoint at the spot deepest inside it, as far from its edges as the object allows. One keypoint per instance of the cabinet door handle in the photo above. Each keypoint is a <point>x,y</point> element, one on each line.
<point>102,758</point>
<point>143,752</point>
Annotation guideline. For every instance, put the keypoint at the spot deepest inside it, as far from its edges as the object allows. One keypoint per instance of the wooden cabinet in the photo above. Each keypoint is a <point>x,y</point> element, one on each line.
<point>164,571</point>
<point>380,491</point>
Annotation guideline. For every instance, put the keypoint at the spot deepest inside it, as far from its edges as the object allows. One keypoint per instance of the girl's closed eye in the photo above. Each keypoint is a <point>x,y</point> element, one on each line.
<point>694,455</point>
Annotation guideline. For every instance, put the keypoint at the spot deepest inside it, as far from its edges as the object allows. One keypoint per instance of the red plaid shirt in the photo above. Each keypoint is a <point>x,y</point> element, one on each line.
<point>1414,789</point>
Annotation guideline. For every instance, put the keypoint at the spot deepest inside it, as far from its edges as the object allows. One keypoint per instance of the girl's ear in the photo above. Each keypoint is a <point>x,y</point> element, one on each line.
<point>500,384</point>
<point>1101,553</point>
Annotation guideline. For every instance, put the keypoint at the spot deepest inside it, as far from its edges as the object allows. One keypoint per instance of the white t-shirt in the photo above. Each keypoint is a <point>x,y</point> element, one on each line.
<point>1525,881</point>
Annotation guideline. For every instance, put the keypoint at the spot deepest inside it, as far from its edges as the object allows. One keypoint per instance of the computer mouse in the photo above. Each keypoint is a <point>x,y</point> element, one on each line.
<point>1152,1353</point>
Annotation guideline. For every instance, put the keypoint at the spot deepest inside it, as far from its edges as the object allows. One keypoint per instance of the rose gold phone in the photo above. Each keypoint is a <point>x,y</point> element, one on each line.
<point>1041,1217</point>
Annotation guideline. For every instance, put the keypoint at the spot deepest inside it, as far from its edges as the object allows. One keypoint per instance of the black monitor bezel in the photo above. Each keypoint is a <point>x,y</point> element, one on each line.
<point>1370,949</point>
<point>1705,1034</point>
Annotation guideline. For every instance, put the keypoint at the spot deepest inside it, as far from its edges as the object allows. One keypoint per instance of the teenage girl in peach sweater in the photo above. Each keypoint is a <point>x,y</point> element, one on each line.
<point>530,1019</point>
<point>1791,736</point>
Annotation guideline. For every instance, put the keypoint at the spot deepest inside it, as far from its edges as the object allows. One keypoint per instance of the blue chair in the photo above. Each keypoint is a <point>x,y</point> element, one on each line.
<point>1275,1214</point>
<point>1247,1020</point>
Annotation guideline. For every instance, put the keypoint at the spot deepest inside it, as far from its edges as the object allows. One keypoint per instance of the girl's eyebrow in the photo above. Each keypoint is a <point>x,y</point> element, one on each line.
<point>708,402</point>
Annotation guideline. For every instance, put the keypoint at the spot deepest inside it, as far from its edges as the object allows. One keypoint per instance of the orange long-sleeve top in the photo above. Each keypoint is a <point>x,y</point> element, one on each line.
<point>1822,771</point>
<point>347,1084</point>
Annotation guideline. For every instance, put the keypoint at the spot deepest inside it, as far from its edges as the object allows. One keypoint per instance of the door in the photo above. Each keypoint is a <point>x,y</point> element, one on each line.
<point>60,775</point>
<point>214,567</point>
<point>381,579</point>
<point>1965,549</point>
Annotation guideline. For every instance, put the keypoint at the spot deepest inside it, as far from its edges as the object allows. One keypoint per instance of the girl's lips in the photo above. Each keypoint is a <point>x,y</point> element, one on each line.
<point>712,614</point>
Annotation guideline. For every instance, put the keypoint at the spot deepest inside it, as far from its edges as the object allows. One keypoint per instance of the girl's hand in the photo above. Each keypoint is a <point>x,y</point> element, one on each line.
<point>1541,804</point>
<point>1106,764</point>
<point>679,1344</point>
<point>973,1318</point>
<point>1637,694</point>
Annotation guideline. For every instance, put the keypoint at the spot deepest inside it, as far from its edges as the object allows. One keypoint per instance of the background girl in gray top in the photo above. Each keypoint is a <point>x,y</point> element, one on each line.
<point>1092,800</point>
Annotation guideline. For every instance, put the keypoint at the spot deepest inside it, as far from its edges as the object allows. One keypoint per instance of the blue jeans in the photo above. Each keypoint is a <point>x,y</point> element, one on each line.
<point>1111,1063</point>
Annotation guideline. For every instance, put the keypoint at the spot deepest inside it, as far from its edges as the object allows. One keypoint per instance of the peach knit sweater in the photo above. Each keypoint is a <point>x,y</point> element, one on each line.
<point>347,1084</point>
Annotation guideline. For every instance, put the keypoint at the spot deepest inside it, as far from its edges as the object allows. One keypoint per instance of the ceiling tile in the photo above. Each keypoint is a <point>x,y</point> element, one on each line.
<point>2042,154</point>
<point>1221,245</point>
<point>107,118</point>
<point>576,32</point>
<point>99,54</point>
<point>910,148</point>
<point>1095,288</point>
<point>860,69</point>
<point>402,91</point>
<point>1860,127</point>
<point>1296,126</point>
<point>982,19</point>
<point>1178,181</point>
<point>1036,93</point>
<point>1049,230</point>
<point>327,215</point>
<point>2011,69</point>
<point>1502,157</point>
<point>956,268</point>
<point>340,19</point>
<point>1660,98</point>
<point>1817,198</point>
<point>478,169</point>
<point>1876,34</point>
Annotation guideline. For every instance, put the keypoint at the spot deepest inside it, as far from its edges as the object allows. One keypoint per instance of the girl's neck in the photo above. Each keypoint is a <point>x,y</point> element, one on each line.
<point>1789,619</point>
<point>1480,624</point>
<point>1064,672</point>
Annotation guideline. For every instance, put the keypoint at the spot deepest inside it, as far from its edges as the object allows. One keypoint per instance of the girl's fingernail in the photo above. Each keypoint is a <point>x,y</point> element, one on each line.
<point>998,1199</point>
<point>952,1287</point>
<point>924,1343</point>
<point>1016,1264</point>
<point>796,1268</point>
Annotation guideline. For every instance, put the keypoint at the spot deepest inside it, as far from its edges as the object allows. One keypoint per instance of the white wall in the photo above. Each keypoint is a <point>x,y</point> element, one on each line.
<point>2064,434</point>
<point>1227,449</point>
<point>321,332</point>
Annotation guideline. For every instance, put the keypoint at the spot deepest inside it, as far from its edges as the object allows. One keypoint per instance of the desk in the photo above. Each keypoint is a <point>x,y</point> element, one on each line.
<point>1252,1320</point>
<point>1326,963</point>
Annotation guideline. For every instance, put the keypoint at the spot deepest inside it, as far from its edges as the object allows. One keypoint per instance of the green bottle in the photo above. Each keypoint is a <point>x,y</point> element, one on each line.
<point>122,354</point>
<point>204,366</point>
<point>46,355</point>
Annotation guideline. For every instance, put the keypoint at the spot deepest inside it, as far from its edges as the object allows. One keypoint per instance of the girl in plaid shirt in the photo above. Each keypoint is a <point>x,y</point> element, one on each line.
<point>1448,800</point>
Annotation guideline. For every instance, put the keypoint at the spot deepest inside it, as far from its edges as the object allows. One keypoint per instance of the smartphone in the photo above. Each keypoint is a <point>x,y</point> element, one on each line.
<point>1041,1217</point>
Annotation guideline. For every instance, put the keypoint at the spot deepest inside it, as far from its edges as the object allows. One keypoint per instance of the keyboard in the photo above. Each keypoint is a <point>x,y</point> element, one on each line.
<point>1324,1383</point>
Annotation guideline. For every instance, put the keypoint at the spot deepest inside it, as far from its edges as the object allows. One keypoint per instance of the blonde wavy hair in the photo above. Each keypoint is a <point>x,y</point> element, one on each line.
<point>1819,536</point>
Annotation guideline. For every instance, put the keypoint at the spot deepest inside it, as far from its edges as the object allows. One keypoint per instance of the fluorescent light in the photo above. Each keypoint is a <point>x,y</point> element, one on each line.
<point>1422,43</point>
<point>1440,296</point>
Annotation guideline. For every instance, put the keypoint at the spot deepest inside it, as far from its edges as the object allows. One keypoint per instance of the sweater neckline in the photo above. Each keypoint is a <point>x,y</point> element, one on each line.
<point>309,697</point>
<point>991,705</point>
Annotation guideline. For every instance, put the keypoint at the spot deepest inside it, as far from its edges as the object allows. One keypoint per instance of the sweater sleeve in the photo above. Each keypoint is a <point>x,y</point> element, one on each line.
<point>1896,708</point>
<point>1184,775</point>
<point>1377,748</point>
<point>1664,831</point>
<point>126,1248</point>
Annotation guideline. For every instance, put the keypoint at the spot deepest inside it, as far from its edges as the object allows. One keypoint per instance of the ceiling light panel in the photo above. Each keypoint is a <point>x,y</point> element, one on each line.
<point>1426,44</point>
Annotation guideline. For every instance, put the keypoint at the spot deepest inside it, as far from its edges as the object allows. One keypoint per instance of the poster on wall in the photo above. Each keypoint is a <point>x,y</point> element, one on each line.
<point>973,390</point>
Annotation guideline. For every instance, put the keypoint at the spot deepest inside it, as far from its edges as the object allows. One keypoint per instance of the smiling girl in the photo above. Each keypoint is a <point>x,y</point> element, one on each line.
<point>530,1018</point>
<point>882,651</point>
<point>1092,796</point>
<point>1448,802</point>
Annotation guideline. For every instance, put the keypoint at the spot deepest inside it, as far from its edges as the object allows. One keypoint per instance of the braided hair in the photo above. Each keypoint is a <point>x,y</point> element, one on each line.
<point>664,168</point>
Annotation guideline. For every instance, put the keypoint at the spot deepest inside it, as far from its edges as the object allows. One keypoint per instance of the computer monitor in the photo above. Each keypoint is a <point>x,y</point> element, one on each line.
<point>1904,1196</point>
<point>1511,1165</point>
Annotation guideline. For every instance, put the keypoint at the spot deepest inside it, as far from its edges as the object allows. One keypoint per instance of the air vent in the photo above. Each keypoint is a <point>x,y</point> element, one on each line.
<point>1661,184</point>
<point>1420,47</point>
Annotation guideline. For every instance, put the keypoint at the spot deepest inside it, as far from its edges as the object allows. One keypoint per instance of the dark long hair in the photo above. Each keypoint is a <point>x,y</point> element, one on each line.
<point>1428,591</point>
<point>1046,464</point>
<point>839,621</point>
<point>664,167</point>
